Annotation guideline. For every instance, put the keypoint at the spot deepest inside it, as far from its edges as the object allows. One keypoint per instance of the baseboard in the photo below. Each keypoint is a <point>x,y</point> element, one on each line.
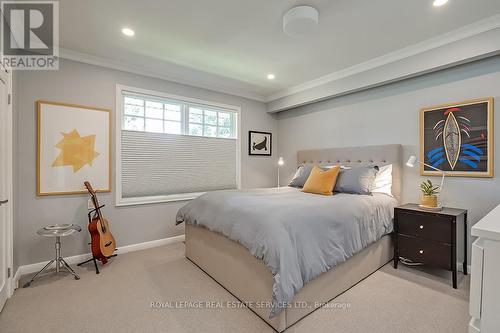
<point>474,325</point>
<point>460,268</point>
<point>15,279</point>
<point>32,268</point>
<point>150,244</point>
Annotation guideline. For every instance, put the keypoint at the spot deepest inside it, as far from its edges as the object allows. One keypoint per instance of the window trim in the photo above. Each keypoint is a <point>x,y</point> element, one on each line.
<point>119,200</point>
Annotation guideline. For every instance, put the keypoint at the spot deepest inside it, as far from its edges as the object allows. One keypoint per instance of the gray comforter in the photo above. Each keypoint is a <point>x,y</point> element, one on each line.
<point>297,235</point>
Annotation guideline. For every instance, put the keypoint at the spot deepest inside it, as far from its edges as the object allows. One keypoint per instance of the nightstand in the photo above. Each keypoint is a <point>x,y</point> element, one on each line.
<point>429,237</point>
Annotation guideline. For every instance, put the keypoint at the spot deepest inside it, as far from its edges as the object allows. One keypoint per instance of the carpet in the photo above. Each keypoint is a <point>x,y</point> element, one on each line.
<point>159,290</point>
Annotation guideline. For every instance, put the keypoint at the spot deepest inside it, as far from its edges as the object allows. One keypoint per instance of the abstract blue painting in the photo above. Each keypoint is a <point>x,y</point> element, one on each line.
<point>458,138</point>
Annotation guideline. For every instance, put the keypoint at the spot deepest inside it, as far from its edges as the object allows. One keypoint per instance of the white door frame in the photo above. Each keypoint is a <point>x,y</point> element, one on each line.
<point>7,78</point>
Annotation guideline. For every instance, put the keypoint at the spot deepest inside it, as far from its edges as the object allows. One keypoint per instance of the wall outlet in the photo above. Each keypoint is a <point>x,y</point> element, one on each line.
<point>90,204</point>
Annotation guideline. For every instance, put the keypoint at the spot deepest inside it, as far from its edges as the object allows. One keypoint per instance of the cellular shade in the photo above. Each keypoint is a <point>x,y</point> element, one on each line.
<point>155,164</point>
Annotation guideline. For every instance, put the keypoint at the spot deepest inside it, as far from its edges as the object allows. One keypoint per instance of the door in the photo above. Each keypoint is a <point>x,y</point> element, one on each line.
<point>5,188</point>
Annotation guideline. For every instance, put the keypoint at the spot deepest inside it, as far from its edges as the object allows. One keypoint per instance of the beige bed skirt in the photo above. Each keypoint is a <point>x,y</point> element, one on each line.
<point>248,279</point>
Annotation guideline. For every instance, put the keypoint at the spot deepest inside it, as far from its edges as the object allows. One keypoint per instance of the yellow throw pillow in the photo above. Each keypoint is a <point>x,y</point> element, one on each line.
<point>321,182</point>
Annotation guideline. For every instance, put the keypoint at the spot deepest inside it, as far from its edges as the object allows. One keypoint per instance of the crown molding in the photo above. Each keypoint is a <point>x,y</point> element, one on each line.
<point>467,31</point>
<point>215,83</point>
<point>229,86</point>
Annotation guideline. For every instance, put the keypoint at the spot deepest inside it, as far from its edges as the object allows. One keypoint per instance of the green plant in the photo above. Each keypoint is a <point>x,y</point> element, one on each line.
<point>428,188</point>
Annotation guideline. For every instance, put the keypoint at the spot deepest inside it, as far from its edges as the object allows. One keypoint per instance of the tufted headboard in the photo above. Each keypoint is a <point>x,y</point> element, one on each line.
<point>364,155</point>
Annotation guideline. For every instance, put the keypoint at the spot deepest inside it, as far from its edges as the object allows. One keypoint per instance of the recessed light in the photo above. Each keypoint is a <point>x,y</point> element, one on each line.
<point>439,3</point>
<point>270,76</point>
<point>128,32</point>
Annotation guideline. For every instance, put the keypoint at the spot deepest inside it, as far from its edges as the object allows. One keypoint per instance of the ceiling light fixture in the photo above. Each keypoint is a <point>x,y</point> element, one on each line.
<point>270,76</point>
<point>300,20</point>
<point>128,32</point>
<point>439,3</point>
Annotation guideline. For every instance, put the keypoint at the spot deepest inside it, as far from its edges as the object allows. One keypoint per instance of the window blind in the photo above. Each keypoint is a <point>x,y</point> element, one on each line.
<point>156,162</point>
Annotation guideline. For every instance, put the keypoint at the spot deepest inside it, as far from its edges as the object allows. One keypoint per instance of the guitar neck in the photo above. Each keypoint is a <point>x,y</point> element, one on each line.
<point>93,195</point>
<point>96,206</point>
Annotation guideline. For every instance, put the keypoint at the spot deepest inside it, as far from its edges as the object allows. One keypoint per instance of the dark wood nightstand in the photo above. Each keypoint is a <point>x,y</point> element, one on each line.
<point>429,237</point>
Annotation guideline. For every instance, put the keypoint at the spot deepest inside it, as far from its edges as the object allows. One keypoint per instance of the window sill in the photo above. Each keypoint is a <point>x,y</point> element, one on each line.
<point>121,202</point>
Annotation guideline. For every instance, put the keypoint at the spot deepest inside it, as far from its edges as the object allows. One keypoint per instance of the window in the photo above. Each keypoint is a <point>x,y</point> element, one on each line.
<point>173,148</point>
<point>145,114</point>
<point>211,123</point>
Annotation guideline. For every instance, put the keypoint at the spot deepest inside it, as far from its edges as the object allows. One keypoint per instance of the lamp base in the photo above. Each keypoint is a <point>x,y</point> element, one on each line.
<point>438,208</point>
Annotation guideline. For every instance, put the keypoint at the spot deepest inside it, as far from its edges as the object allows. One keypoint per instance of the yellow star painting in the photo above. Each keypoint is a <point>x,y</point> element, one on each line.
<point>76,151</point>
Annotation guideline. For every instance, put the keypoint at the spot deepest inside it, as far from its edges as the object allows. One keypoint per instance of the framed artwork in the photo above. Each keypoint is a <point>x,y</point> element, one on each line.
<point>458,139</point>
<point>73,146</point>
<point>260,143</point>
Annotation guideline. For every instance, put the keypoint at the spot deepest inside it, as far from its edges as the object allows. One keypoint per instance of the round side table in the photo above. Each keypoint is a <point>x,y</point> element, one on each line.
<point>57,231</point>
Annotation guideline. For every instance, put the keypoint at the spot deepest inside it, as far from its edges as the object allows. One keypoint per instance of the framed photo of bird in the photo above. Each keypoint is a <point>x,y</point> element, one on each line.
<point>73,146</point>
<point>260,143</point>
<point>458,139</point>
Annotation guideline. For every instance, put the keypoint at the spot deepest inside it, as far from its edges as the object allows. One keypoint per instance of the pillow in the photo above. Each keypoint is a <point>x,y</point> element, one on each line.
<point>383,180</point>
<point>303,172</point>
<point>321,181</point>
<point>301,175</point>
<point>329,166</point>
<point>356,180</point>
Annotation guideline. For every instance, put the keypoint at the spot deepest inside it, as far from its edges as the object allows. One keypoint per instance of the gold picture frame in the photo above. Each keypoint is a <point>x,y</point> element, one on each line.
<point>458,138</point>
<point>53,126</point>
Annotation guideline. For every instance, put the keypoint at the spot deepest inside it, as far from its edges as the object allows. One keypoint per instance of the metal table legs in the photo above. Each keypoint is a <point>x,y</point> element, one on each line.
<point>60,262</point>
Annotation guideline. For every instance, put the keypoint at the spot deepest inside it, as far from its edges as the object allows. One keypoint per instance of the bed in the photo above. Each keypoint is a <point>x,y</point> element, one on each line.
<point>249,271</point>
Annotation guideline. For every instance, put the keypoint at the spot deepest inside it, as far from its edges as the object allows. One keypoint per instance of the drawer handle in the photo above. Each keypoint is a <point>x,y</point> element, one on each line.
<point>421,251</point>
<point>421,227</point>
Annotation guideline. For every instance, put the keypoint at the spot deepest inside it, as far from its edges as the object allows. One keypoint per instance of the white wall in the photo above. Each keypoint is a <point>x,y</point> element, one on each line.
<point>390,114</point>
<point>79,83</point>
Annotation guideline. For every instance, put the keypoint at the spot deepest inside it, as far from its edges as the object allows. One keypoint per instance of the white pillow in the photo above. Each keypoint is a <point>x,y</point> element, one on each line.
<point>329,166</point>
<point>383,180</point>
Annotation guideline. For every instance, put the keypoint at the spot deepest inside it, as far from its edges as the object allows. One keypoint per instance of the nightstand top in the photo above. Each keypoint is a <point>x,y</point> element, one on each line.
<point>445,211</point>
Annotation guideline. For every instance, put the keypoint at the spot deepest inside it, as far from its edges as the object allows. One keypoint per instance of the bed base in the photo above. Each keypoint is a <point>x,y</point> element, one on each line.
<point>248,279</point>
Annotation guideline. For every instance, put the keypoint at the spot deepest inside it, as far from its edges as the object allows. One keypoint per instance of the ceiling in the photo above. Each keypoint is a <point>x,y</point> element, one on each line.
<point>240,41</point>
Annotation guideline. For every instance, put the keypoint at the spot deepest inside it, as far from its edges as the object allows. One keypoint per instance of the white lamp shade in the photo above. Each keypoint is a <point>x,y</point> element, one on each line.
<point>411,161</point>
<point>281,161</point>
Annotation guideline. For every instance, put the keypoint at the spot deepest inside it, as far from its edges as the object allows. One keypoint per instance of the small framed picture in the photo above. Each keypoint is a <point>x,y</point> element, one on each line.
<point>260,143</point>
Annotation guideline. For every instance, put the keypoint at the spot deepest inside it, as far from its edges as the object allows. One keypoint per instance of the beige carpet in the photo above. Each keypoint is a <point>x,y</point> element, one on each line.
<point>119,300</point>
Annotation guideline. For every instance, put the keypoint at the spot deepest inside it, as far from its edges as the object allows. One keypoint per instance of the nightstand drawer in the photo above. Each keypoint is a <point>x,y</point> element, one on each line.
<point>425,251</point>
<point>424,226</point>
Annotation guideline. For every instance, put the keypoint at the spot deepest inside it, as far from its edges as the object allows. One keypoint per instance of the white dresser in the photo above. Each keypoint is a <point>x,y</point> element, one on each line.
<point>485,275</point>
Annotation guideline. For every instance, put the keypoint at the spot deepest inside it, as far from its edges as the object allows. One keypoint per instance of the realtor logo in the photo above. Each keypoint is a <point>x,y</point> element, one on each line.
<point>30,35</point>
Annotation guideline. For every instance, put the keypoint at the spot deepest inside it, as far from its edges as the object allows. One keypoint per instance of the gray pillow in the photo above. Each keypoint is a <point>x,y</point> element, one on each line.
<point>301,175</point>
<point>356,180</point>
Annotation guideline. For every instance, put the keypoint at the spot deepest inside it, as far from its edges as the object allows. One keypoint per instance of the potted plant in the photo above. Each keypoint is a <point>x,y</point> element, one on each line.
<point>429,194</point>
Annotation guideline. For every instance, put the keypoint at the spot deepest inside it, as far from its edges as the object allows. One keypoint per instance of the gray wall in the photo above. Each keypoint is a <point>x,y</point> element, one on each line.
<point>383,115</point>
<point>390,114</point>
<point>84,84</point>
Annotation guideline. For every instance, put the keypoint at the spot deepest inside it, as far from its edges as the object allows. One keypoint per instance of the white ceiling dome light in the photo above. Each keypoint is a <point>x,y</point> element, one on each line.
<point>300,20</point>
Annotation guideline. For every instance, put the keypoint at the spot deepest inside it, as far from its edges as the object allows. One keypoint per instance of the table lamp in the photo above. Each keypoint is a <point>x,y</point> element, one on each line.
<point>411,163</point>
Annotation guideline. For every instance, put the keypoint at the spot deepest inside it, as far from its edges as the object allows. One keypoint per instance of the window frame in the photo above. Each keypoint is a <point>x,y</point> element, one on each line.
<point>184,116</point>
<point>187,101</point>
<point>232,127</point>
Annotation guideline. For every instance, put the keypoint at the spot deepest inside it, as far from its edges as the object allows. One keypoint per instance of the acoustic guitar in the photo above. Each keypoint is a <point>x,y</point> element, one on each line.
<point>102,241</point>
